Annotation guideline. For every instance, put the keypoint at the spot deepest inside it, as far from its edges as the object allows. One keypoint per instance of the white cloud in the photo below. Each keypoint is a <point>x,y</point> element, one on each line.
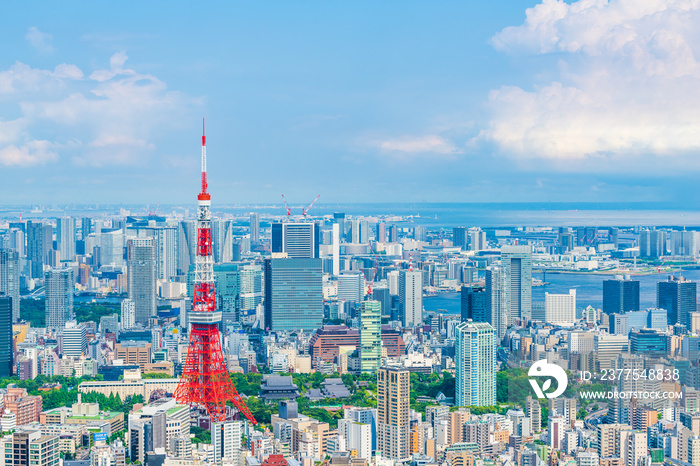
<point>39,40</point>
<point>628,81</point>
<point>32,153</point>
<point>107,120</point>
<point>416,145</point>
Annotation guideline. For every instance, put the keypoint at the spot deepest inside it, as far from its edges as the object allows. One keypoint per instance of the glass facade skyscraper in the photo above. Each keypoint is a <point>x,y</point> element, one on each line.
<point>293,294</point>
<point>298,240</point>
<point>517,264</point>
<point>620,295</point>
<point>6,359</point>
<point>60,286</point>
<point>679,297</point>
<point>9,278</point>
<point>141,276</point>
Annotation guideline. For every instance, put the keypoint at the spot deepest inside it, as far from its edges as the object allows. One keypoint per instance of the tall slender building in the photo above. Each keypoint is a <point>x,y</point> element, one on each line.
<point>222,238</point>
<point>166,253</point>
<point>141,276</point>
<point>38,243</point>
<point>411,297</point>
<point>370,335</point>
<point>459,237</point>
<point>65,238</point>
<point>6,353</point>
<point>498,302</point>
<point>393,417</point>
<point>475,362</point>
<point>60,286</point>
<point>254,227</point>
<point>517,263</point>
<point>9,278</point>
<point>186,242</point>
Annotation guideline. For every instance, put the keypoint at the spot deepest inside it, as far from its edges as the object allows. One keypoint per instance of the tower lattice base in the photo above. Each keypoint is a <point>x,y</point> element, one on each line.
<point>205,379</point>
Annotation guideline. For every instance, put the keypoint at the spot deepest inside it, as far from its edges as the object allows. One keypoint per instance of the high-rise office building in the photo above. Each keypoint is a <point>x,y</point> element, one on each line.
<point>351,286</point>
<point>6,353</point>
<point>74,340</point>
<point>339,218</point>
<point>419,233</point>
<point>65,238</point>
<point>586,236</point>
<point>9,278</point>
<point>222,240</point>
<point>141,276</point>
<point>459,237</point>
<point>620,295</point>
<point>411,297</point>
<point>129,314</point>
<point>652,243</point>
<point>85,227</point>
<point>299,240</point>
<point>166,253</point>
<point>679,297</point>
<point>394,234</point>
<point>60,286</point>
<point>475,304</point>
<point>498,302</point>
<point>475,363</point>
<point>186,242</point>
<point>533,410</point>
<point>112,248</point>
<point>685,243</point>
<point>254,227</point>
<point>293,294</point>
<point>560,309</point>
<point>393,417</point>
<point>39,242</point>
<point>381,232</point>
<point>370,335</point>
<point>226,439</point>
<point>517,263</point>
<point>477,240</point>
<point>382,294</point>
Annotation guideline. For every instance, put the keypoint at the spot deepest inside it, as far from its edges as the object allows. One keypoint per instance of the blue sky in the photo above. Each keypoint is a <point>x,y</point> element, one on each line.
<point>358,101</point>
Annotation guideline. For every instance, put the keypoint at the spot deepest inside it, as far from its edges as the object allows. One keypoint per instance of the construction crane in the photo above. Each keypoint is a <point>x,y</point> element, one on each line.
<point>306,210</point>
<point>289,211</point>
<point>154,213</point>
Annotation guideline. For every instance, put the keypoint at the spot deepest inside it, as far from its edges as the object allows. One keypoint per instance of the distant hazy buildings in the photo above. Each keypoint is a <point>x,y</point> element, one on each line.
<point>254,227</point>
<point>59,297</point>
<point>141,275</point>
<point>475,363</point>
<point>652,243</point>
<point>620,295</point>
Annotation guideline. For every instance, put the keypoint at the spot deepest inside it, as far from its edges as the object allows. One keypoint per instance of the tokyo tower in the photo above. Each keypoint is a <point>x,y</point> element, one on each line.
<point>205,379</point>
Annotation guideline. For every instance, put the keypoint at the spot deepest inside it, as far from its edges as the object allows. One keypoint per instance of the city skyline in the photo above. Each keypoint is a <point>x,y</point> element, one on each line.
<point>365,103</point>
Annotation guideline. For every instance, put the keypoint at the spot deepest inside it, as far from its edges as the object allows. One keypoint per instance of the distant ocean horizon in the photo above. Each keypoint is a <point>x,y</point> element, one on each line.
<point>435,215</point>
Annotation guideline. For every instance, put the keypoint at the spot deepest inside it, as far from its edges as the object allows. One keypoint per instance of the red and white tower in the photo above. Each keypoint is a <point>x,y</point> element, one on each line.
<point>205,379</point>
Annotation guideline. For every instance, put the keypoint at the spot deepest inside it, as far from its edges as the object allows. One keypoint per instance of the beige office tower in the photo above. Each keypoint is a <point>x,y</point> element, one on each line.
<point>393,400</point>
<point>609,439</point>
<point>456,426</point>
<point>633,448</point>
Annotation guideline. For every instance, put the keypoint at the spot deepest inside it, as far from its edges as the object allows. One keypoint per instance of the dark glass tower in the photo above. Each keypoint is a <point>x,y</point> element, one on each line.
<point>679,297</point>
<point>620,296</point>
<point>6,361</point>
